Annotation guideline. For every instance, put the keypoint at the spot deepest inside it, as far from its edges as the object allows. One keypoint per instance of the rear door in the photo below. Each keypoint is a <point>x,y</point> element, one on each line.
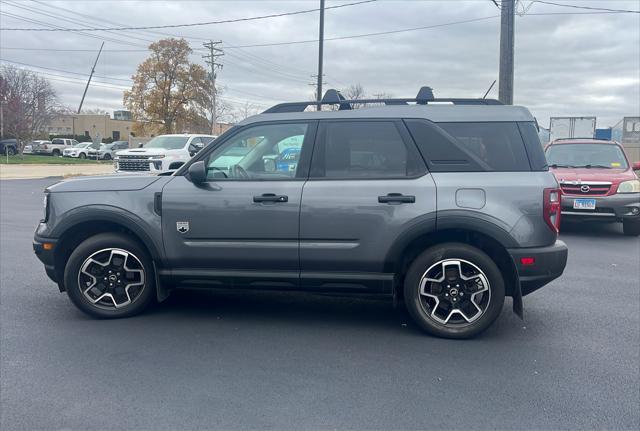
<point>367,185</point>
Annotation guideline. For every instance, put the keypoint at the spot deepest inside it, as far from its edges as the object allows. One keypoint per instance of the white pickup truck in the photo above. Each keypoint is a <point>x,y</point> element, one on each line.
<point>54,148</point>
<point>162,153</point>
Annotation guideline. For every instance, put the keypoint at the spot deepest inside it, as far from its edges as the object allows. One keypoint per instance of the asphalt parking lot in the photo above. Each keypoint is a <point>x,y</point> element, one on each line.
<point>208,359</point>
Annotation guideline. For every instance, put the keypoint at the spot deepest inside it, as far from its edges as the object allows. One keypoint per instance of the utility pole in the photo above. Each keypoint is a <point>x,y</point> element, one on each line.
<point>215,52</point>
<point>507,21</point>
<point>320,54</point>
<point>93,69</point>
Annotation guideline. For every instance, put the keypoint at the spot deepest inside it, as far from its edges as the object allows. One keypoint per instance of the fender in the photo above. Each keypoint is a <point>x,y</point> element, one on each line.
<point>97,213</point>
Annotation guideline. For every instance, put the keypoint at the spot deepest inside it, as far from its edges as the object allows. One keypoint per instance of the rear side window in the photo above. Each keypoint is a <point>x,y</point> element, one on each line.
<point>470,147</point>
<point>363,149</point>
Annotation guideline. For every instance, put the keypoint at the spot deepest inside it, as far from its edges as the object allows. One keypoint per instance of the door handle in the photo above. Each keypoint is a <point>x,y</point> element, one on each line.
<point>271,197</point>
<point>396,198</point>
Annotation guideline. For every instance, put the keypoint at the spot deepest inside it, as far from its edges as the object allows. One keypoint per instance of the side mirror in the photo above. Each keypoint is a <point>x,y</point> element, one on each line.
<point>198,172</point>
<point>636,166</point>
<point>140,145</point>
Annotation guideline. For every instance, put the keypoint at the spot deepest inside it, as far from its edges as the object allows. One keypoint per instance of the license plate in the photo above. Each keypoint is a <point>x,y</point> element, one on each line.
<point>584,204</point>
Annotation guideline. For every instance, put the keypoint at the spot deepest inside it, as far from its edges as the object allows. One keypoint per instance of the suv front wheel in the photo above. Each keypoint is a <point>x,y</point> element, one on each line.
<point>109,276</point>
<point>454,290</point>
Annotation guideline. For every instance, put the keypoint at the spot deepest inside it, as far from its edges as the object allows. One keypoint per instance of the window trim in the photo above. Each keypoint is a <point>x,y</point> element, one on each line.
<point>302,173</point>
<point>412,150</point>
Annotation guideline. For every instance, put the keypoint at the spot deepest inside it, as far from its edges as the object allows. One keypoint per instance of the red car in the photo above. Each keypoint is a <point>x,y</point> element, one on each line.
<point>597,181</point>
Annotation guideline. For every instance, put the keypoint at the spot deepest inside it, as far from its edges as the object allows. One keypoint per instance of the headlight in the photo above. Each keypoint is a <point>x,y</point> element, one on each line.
<point>632,186</point>
<point>46,207</point>
<point>159,156</point>
<point>116,157</point>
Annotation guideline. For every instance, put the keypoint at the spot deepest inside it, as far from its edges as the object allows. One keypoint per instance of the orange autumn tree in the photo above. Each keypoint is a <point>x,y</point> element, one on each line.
<point>169,94</point>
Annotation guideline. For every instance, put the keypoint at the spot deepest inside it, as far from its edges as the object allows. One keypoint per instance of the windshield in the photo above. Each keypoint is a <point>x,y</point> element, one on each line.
<point>85,145</point>
<point>586,156</point>
<point>167,142</point>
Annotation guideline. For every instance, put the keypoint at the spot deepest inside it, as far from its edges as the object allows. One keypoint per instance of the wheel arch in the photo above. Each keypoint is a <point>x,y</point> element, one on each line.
<point>489,240</point>
<point>90,221</point>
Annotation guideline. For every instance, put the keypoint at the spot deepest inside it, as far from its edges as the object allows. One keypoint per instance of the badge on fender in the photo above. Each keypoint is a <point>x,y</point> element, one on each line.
<point>182,226</point>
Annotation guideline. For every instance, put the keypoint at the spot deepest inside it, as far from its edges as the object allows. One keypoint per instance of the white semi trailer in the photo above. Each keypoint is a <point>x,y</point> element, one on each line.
<point>572,127</point>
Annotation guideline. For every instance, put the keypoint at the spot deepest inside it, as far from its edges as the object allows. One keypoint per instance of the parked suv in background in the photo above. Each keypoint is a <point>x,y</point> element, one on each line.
<point>55,147</point>
<point>162,153</point>
<point>449,207</point>
<point>108,151</point>
<point>81,150</point>
<point>8,147</point>
<point>597,182</point>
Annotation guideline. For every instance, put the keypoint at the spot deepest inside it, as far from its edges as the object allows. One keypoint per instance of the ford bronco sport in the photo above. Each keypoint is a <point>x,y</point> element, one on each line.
<point>447,204</point>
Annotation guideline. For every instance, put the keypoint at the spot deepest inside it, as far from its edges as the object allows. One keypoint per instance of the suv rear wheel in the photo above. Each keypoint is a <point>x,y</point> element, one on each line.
<point>454,290</point>
<point>109,275</point>
<point>55,153</point>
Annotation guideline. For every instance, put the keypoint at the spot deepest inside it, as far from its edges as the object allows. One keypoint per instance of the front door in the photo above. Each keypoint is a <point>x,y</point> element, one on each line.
<point>241,226</point>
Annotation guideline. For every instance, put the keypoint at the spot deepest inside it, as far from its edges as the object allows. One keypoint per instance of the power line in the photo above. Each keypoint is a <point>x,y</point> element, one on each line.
<point>604,9</point>
<point>380,33</point>
<point>94,36</point>
<point>194,24</point>
<point>64,71</point>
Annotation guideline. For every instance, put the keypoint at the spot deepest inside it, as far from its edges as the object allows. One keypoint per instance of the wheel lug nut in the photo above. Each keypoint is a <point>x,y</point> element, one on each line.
<point>457,285</point>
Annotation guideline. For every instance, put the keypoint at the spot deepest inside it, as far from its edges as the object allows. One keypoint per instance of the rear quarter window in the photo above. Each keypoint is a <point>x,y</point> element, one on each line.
<point>470,146</point>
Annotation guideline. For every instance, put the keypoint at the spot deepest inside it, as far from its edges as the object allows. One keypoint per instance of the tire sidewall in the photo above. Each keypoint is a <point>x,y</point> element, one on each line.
<point>100,242</point>
<point>453,251</point>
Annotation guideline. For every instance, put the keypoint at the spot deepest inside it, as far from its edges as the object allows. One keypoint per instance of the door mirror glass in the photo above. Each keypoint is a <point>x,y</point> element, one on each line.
<point>198,172</point>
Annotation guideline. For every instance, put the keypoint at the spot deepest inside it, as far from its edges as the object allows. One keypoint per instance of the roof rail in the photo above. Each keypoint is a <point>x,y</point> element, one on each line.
<point>333,97</point>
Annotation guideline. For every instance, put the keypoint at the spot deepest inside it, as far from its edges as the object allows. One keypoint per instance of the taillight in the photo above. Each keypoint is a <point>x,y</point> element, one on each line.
<point>552,208</point>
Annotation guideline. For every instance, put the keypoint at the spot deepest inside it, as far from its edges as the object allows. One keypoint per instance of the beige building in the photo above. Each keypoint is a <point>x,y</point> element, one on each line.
<point>92,126</point>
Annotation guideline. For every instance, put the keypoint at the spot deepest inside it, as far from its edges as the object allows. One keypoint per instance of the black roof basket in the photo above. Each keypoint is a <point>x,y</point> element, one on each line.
<point>333,97</point>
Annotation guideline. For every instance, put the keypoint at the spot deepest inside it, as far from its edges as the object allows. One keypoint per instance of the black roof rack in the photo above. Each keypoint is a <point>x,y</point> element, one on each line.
<point>333,97</point>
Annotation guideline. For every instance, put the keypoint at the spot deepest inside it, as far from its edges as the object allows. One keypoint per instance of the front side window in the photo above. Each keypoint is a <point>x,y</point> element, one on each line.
<point>586,156</point>
<point>168,142</point>
<point>260,152</point>
<point>362,149</point>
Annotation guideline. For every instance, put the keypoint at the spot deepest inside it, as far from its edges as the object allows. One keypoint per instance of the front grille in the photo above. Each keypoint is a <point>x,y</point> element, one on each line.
<point>589,189</point>
<point>131,163</point>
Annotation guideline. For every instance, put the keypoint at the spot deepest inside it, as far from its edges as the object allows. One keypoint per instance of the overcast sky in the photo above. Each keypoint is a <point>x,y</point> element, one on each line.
<point>565,64</point>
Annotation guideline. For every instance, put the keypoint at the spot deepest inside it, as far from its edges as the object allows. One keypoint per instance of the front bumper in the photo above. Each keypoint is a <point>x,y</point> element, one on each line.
<point>608,208</point>
<point>46,256</point>
<point>548,264</point>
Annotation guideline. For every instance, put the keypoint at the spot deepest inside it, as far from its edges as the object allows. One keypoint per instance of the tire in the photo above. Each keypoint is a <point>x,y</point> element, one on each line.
<point>109,249</point>
<point>107,156</point>
<point>82,156</point>
<point>10,151</point>
<point>432,307</point>
<point>631,227</point>
<point>55,153</point>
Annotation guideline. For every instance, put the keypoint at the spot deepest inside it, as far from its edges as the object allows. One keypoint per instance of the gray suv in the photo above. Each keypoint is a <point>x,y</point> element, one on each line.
<point>446,204</point>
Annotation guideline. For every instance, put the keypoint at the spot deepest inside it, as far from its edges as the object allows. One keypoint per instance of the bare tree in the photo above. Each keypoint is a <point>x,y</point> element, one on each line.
<point>244,110</point>
<point>30,103</point>
<point>95,111</point>
<point>355,92</point>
